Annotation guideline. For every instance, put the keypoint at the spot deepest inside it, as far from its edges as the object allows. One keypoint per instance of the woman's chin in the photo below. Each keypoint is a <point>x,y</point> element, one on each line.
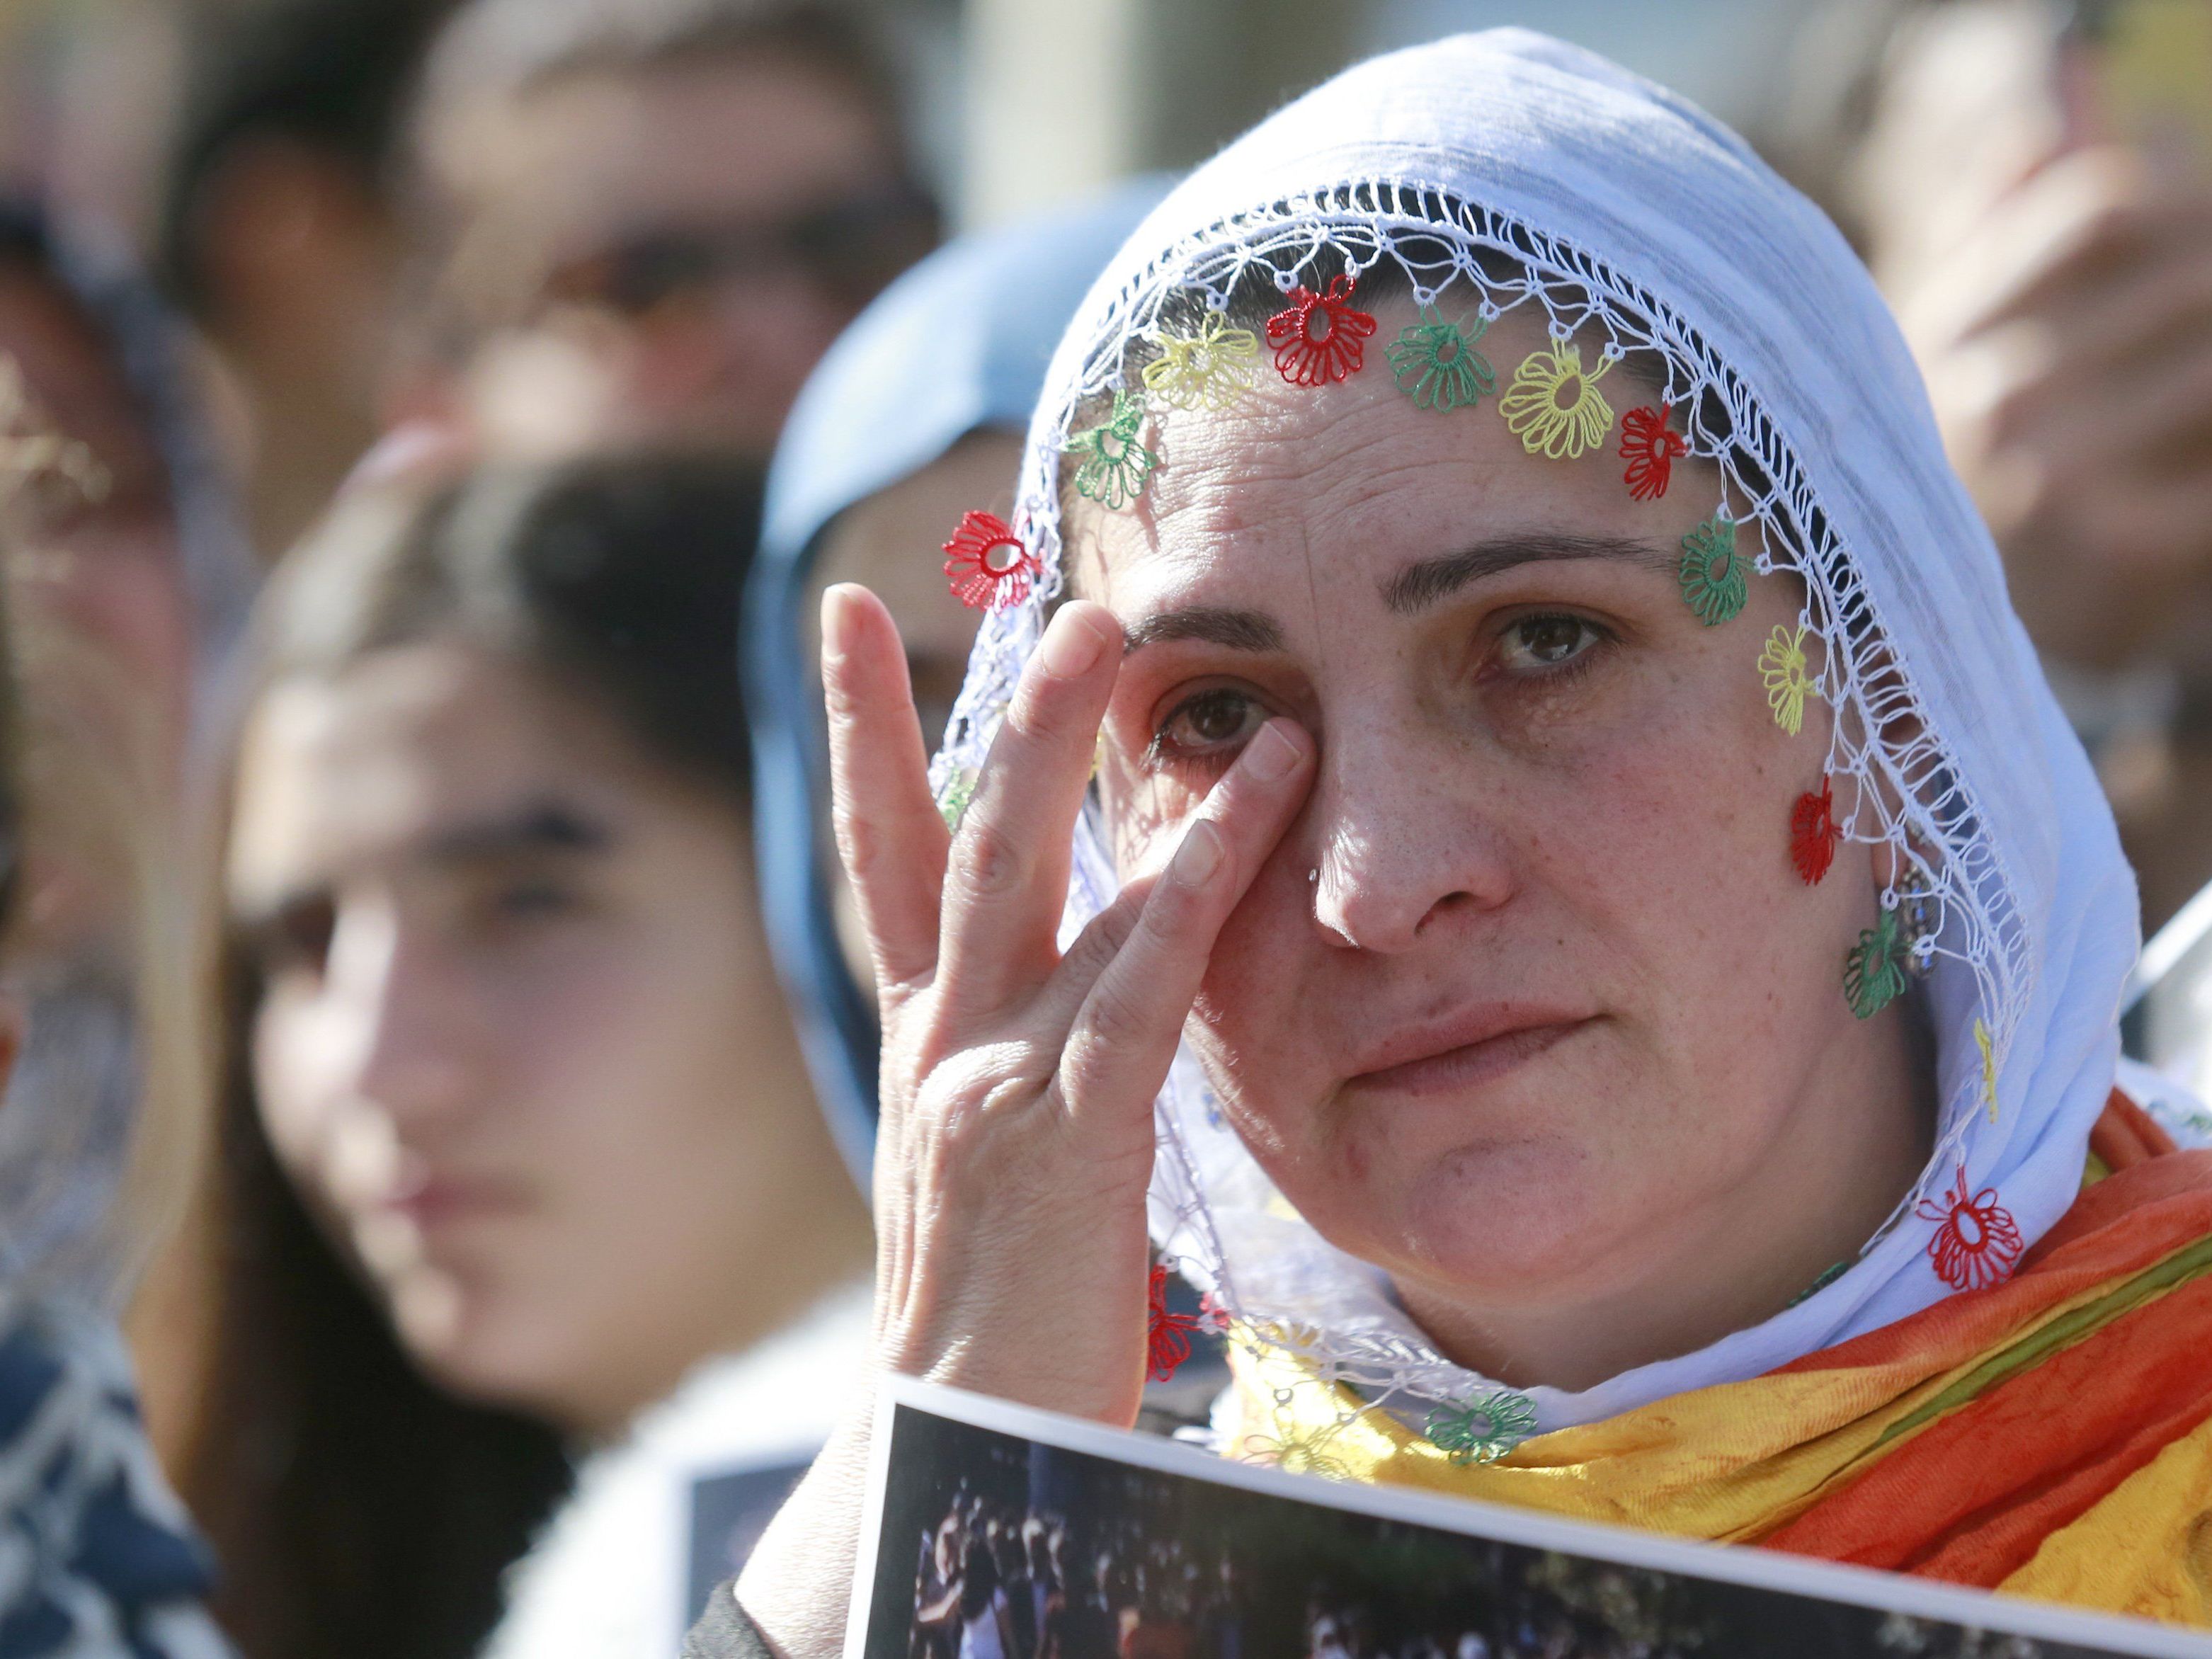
<point>1520,1224</point>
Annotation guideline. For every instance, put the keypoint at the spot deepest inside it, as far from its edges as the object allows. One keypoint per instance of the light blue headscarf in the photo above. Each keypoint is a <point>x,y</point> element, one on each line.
<point>958,344</point>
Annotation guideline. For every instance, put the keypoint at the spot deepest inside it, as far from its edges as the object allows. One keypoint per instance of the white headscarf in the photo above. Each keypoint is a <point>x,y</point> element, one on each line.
<point>1628,215</point>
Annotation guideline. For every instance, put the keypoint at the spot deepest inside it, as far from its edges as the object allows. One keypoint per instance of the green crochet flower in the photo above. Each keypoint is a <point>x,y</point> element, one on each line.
<point>1829,1275</point>
<point>1712,572</point>
<point>1114,464</point>
<point>1437,364</point>
<point>1873,972</point>
<point>1484,1430</point>
<point>953,802</point>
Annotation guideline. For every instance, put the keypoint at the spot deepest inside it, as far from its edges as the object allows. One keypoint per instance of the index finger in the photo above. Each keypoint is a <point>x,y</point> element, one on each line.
<point>891,835</point>
<point>1124,1035</point>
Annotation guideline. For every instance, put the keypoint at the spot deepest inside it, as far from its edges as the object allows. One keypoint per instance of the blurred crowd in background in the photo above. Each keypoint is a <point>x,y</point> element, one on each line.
<point>432,1047</point>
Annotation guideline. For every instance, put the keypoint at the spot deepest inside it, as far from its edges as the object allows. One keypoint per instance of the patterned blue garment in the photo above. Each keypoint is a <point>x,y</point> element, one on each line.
<point>97,1560</point>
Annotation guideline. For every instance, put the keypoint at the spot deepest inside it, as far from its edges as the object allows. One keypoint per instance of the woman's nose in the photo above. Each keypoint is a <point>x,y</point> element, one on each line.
<point>1397,848</point>
<point>399,1016</point>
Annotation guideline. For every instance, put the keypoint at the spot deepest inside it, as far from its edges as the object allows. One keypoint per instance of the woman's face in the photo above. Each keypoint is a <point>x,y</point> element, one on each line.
<point>1529,1003</point>
<point>519,1046</point>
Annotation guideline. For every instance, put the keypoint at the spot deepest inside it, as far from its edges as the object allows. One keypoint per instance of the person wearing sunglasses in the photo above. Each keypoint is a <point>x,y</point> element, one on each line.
<point>649,222</point>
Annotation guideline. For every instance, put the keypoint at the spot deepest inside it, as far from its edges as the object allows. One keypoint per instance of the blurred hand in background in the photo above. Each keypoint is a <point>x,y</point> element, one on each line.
<point>2051,261</point>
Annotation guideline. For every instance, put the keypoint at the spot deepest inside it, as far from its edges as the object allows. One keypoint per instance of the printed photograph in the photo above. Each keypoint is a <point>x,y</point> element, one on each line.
<point>993,1546</point>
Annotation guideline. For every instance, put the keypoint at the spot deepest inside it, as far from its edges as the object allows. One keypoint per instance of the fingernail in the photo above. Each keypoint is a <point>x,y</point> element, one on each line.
<point>1070,644</point>
<point>1270,756</point>
<point>1199,857</point>
<point>836,601</point>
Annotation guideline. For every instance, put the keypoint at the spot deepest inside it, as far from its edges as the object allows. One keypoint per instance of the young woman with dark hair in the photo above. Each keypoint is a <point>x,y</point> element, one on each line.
<point>515,1131</point>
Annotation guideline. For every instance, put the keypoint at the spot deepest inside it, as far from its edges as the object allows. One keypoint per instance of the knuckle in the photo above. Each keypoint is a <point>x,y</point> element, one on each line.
<point>1118,1015</point>
<point>987,861</point>
<point>1098,943</point>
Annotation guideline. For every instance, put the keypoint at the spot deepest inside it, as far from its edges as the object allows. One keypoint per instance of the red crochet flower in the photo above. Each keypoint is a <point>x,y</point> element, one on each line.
<point>1977,1244</point>
<point>1167,1335</point>
<point>987,563</point>
<point>1813,834</point>
<point>1317,335</point>
<point>1650,451</point>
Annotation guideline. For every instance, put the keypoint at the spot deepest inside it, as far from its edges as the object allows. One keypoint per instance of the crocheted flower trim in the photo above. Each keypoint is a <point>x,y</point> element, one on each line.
<point>1319,337</point>
<point>1482,1431</point>
<point>1988,1066</point>
<point>1296,1454</point>
<point>1711,574</point>
<point>1813,833</point>
<point>1977,1243</point>
<point>1789,681</point>
<point>1553,408</point>
<point>1114,464</point>
<point>988,566</point>
<point>1204,370</point>
<point>1167,1335</point>
<point>1437,365</point>
<point>1650,450</point>
<point>1873,972</point>
<point>952,805</point>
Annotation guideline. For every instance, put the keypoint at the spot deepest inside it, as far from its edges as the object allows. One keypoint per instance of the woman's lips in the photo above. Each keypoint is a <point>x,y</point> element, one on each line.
<point>444,1200</point>
<point>1472,1051</point>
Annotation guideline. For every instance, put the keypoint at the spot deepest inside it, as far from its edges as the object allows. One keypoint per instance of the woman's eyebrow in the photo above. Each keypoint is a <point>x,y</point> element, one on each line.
<point>1420,585</point>
<point>1239,630</point>
<point>543,827</point>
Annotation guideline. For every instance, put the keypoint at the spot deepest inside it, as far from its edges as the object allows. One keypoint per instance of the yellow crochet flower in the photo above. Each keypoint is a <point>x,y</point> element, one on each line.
<point>1204,370</point>
<point>1553,408</point>
<point>1296,1454</point>
<point>1789,682</point>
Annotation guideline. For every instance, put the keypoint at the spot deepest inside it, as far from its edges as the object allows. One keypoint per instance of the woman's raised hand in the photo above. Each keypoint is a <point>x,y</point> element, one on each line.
<point>1017,1084</point>
<point>1015,1141</point>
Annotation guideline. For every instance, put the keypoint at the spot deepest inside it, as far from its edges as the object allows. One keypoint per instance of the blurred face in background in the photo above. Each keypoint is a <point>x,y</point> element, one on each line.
<point>519,1047</point>
<point>663,251</point>
<point>103,618</point>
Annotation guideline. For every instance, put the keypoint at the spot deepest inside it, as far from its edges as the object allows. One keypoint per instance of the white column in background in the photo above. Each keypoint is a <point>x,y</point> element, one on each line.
<point>1053,102</point>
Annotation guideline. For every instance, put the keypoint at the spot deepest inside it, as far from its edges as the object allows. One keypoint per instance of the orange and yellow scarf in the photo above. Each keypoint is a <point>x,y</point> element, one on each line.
<point>2050,1437</point>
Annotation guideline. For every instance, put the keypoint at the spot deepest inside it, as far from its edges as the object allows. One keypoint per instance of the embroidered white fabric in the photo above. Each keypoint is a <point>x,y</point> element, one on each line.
<point>1506,170</point>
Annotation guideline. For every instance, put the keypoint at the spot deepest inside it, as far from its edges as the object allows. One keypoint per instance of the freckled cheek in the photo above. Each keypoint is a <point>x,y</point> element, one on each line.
<point>1688,790</point>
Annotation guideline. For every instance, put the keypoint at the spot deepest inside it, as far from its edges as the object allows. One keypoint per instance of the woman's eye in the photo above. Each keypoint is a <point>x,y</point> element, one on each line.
<point>1540,643</point>
<point>1207,723</point>
<point>532,901</point>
